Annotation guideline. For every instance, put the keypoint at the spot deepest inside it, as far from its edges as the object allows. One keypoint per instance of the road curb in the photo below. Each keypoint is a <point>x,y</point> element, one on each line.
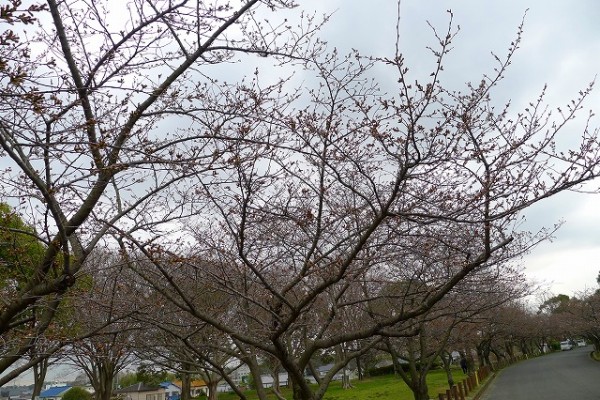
<point>487,383</point>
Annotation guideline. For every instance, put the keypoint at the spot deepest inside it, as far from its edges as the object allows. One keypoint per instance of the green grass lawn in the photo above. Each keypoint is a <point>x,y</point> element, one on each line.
<point>386,387</point>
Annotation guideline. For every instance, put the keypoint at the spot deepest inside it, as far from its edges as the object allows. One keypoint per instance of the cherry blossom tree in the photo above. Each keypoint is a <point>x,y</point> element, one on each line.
<point>87,152</point>
<point>334,189</point>
<point>294,203</point>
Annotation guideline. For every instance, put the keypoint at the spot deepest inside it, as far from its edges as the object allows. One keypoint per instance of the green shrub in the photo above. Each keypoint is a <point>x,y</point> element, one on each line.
<point>387,370</point>
<point>77,393</point>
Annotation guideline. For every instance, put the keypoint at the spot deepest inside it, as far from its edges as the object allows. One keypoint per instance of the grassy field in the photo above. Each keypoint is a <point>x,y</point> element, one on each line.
<point>386,387</point>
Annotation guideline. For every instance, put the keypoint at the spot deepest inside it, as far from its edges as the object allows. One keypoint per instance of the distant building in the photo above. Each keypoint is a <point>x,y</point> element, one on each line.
<point>240,375</point>
<point>172,391</point>
<point>141,391</point>
<point>17,392</point>
<point>54,392</point>
<point>197,387</point>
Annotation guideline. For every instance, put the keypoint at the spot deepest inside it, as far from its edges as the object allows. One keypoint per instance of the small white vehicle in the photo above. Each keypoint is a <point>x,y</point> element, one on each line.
<point>581,343</point>
<point>566,345</point>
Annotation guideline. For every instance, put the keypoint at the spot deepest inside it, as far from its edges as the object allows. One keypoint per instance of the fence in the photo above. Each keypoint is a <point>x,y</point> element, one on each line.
<point>461,390</point>
<point>472,381</point>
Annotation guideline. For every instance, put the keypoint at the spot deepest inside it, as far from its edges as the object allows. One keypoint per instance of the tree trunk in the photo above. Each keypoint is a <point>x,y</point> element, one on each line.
<point>420,390</point>
<point>39,375</point>
<point>483,353</point>
<point>446,360</point>
<point>346,380</point>
<point>415,377</point>
<point>509,346</point>
<point>314,372</point>
<point>212,389</point>
<point>301,391</point>
<point>359,368</point>
<point>596,342</point>
<point>101,373</point>
<point>105,380</point>
<point>275,376</point>
<point>278,395</point>
<point>256,376</point>
<point>186,385</point>
<point>276,384</point>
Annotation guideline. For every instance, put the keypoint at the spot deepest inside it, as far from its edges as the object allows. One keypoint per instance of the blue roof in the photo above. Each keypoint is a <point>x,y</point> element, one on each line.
<point>55,391</point>
<point>168,384</point>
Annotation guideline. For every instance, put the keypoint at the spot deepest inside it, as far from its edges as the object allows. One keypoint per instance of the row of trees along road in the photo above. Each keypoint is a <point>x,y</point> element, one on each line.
<point>263,219</point>
<point>575,317</point>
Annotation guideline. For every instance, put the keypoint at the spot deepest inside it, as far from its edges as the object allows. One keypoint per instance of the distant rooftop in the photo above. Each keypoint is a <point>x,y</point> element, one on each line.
<point>137,387</point>
<point>55,391</point>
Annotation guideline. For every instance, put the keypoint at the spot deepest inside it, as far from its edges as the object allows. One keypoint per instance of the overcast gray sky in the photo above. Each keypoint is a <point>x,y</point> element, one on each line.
<point>561,48</point>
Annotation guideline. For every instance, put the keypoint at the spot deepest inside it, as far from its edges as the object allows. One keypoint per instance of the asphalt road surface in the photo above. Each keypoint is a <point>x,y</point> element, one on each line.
<point>562,375</point>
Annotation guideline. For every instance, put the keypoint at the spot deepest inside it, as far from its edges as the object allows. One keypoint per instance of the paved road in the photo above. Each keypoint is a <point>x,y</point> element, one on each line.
<point>563,375</point>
